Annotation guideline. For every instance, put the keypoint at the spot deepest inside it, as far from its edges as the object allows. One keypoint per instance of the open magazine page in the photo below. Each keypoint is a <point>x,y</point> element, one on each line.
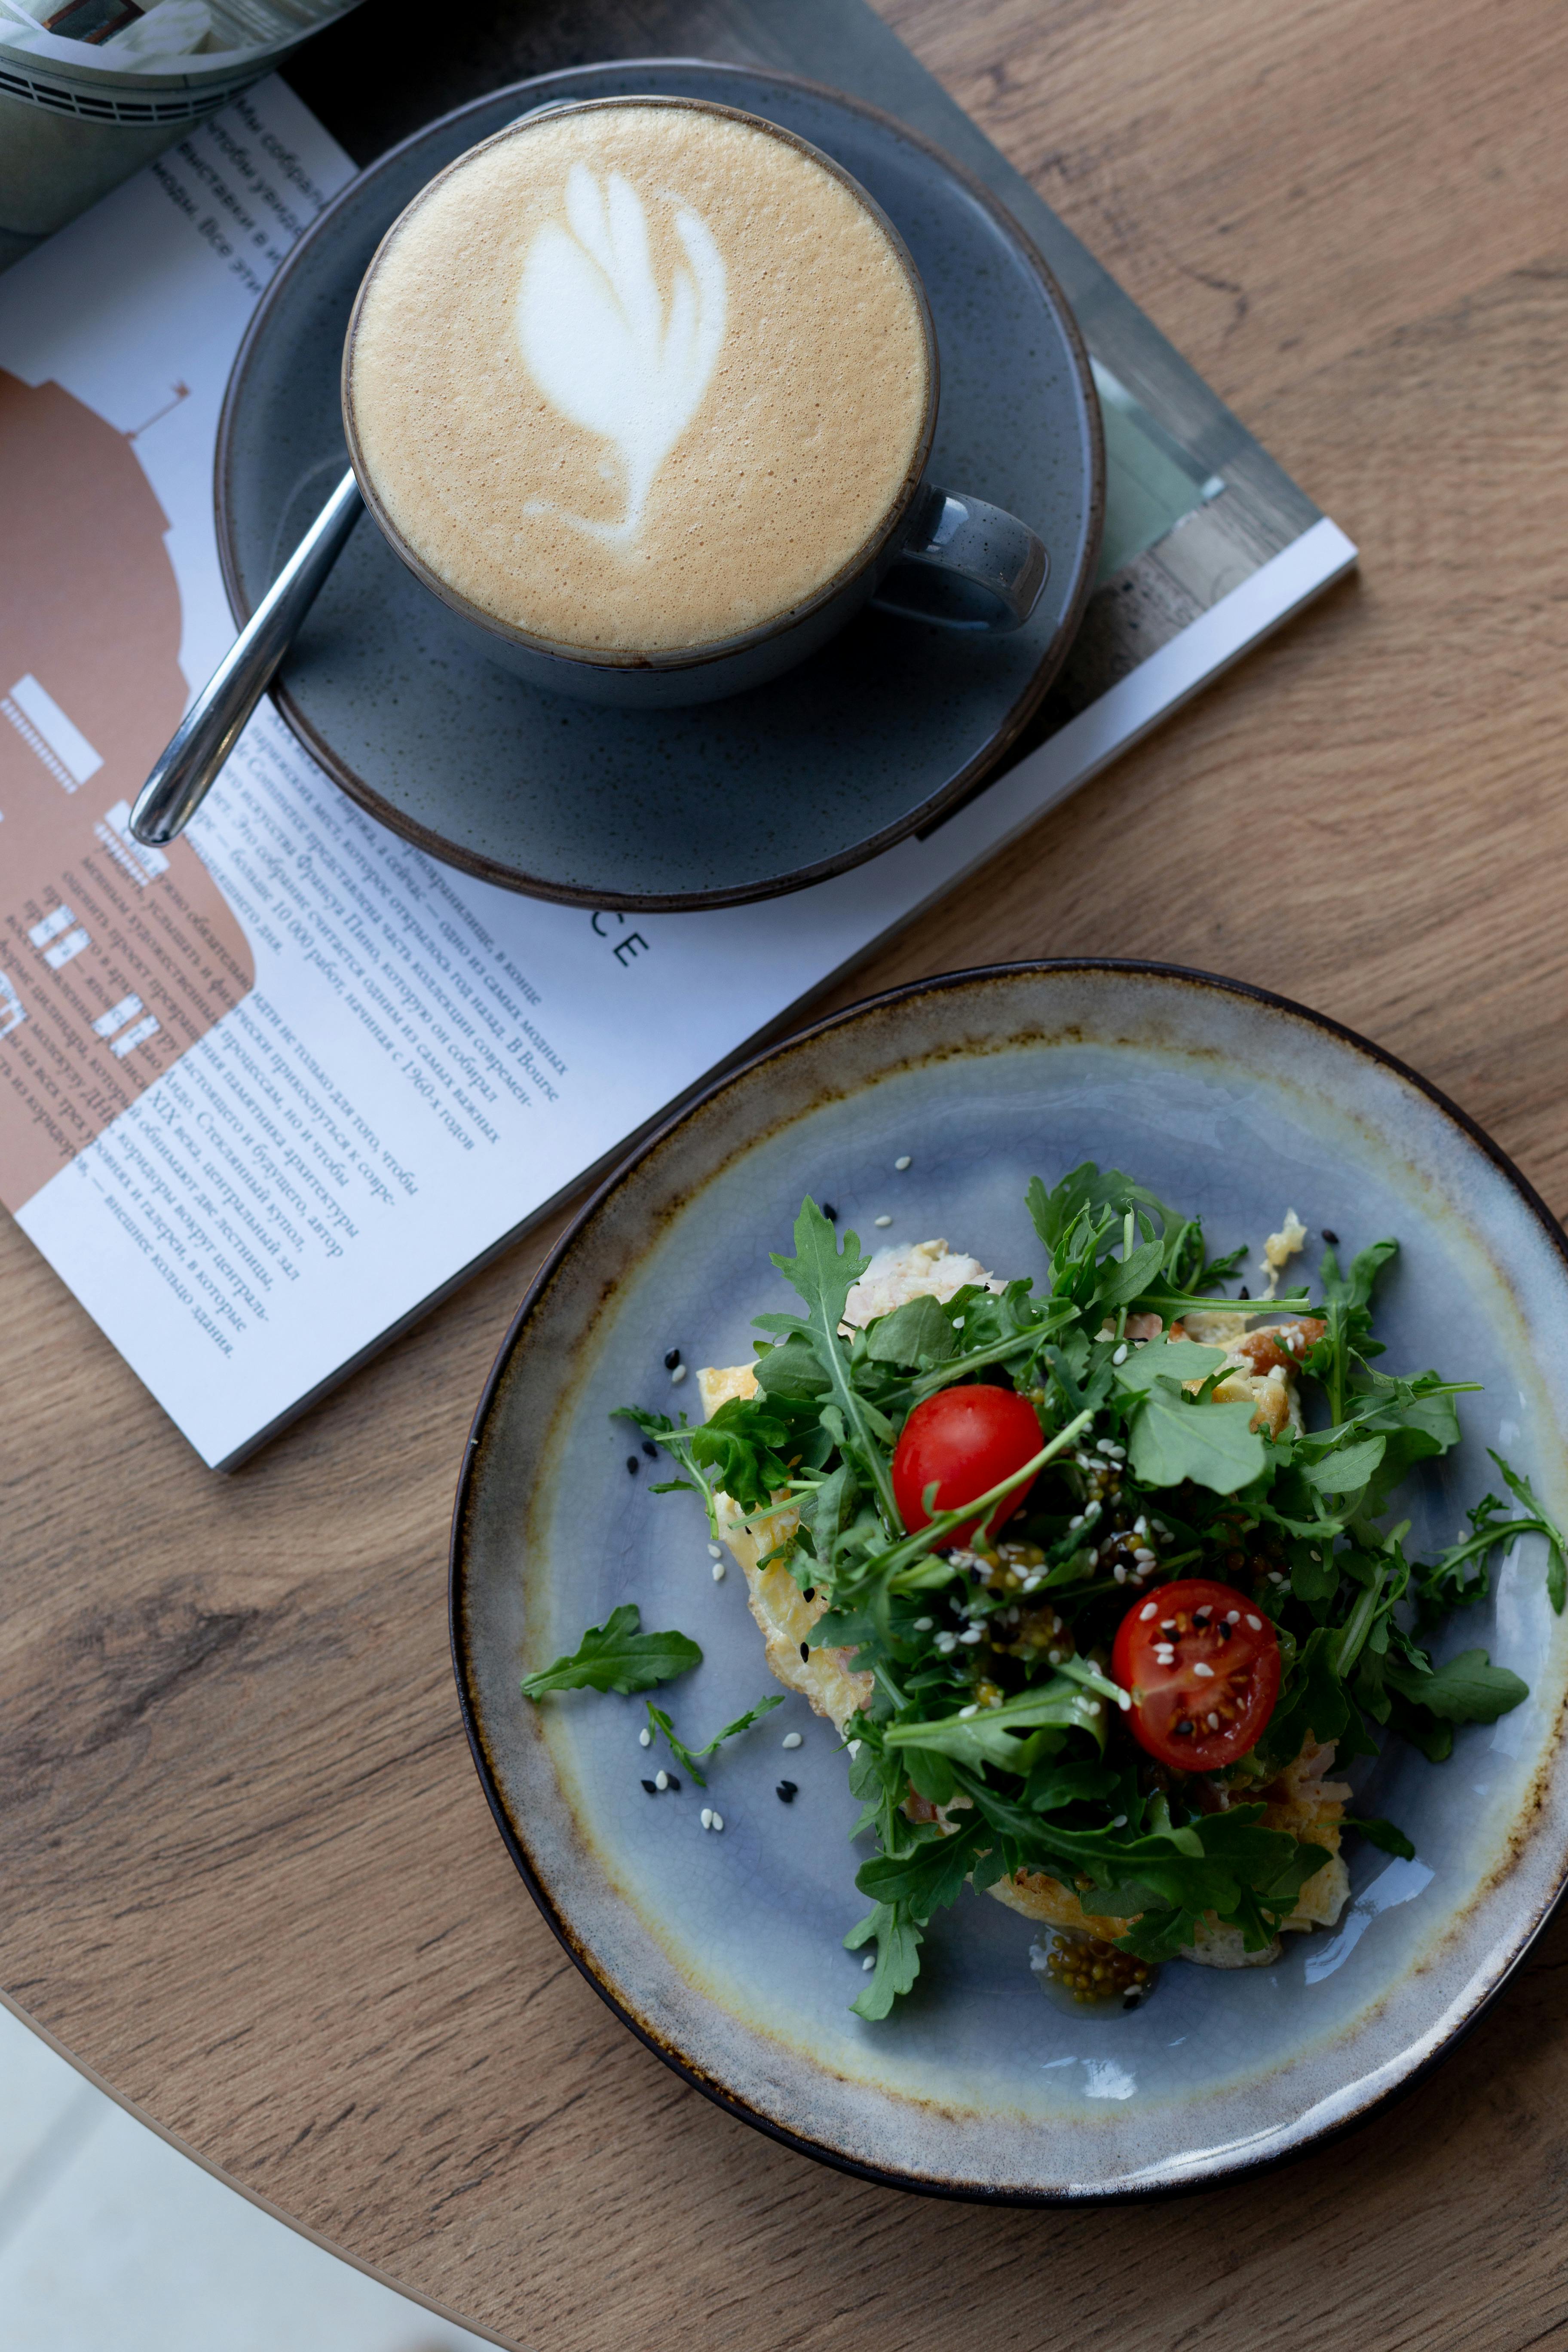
<point>265,1093</point>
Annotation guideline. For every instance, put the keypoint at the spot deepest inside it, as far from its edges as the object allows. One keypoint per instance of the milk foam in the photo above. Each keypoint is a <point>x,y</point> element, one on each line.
<point>637,378</point>
<point>600,342</point>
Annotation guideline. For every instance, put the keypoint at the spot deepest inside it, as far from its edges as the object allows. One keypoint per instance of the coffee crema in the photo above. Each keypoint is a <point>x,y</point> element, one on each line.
<point>637,378</point>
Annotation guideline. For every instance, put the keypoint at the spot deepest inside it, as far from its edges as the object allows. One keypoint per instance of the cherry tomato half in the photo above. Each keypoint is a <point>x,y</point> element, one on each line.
<point>1202,1666</point>
<point>966,1440</point>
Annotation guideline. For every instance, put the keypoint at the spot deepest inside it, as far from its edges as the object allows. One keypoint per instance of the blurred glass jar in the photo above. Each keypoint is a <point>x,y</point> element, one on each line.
<point>91,90</point>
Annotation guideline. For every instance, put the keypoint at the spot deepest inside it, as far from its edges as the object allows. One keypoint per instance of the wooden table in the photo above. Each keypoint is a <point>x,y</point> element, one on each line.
<point>247,1872</point>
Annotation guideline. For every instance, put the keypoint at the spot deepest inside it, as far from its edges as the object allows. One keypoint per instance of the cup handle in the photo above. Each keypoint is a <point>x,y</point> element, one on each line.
<point>965,564</point>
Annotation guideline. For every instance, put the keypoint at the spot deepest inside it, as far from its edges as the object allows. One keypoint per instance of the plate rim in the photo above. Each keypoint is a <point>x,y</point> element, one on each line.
<point>977,770</point>
<point>1215,2175</point>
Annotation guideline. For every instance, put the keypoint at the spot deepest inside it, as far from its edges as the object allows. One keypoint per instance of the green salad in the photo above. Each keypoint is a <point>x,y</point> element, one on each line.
<point>1098,1572</point>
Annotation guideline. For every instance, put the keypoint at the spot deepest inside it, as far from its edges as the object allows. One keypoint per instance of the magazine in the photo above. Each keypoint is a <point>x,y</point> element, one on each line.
<point>267,1095</point>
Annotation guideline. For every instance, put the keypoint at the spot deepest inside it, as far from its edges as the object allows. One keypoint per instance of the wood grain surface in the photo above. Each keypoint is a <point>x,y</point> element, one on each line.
<point>247,1869</point>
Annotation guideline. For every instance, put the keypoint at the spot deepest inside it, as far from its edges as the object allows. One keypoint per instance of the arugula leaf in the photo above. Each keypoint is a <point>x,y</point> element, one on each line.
<point>1557,1568</point>
<point>919,1333</point>
<point>986,1737</point>
<point>1086,1191</point>
<point>1382,1834</point>
<point>929,1876</point>
<point>1130,1275</point>
<point>1347,1469</point>
<point>1166,1358</point>
<point>753,1446</point>
<point>615,1656</point>
<point>1468,1689</point>
<point>1347,1313</point>
<point>825,1276</point>
<point>898,1957</point>
<point>1173,1437</point>
<point>659,1721</point>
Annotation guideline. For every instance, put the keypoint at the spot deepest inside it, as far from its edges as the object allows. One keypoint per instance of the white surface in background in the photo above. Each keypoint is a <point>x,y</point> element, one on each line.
<point>112,2240</point>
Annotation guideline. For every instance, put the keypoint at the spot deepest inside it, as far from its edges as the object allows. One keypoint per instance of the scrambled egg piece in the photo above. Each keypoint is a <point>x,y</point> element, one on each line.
<point>1267,1369</point>
<point>1267,1363</point>
<point>1279,1248</point>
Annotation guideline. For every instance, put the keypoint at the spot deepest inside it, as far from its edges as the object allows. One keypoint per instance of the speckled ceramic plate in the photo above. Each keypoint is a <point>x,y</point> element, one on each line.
<point>724,1953</point>
<point>874,738</point>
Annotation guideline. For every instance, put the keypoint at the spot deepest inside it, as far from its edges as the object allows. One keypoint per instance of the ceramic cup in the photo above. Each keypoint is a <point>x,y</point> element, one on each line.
<point>935,554</point>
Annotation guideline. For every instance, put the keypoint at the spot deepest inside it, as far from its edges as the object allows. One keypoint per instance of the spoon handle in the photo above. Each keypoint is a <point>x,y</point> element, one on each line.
<point>210,727</point>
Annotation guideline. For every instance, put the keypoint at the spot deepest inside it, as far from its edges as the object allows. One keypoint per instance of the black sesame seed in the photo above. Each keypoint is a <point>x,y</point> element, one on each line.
<point>1332,1239</point>
<point>1184,1730</point>
<point>810,1592</point>
<point>671,1361</point>
<point>830,1213</point>
<point>806,1650</point>
<point>671,1781</point>
<point>650,1449</point>
<point>786,1793</point>
<point>1130,2002</point>
<point>1244,1292</point>
<point>633,1464</point>
<point>652,1787</point>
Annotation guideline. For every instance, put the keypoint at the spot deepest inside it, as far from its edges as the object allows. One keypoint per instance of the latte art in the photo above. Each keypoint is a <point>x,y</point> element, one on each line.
<point>637,377</point>
<point>600,341</point>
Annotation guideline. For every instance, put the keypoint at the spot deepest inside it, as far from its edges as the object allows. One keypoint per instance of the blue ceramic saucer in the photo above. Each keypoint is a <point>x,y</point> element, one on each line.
<point>724,1953</point>
<point>873,739</point>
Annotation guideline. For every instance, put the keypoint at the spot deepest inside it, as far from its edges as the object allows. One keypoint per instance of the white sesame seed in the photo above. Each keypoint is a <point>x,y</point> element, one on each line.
<point>645,1738</point>
<point>1206,1610</point>
<point>870,1961</point>
<point>973,1634</point>
<point>1317,1556</point>
<point>1119,1823</point>
<point>1213,1722</point>
<point>717,1820</point>
<point>965,1712</point>
<point>881,1221</point>
<point>1149,1609</point>
<point>1233,1616</point>
<point>676,1376</point>
<point>718,1572</point>
<point>1053,1657</point>
<point>1206,1673</point>
<point>923,1624</point>
<point>1076,1521</point>
<point>1121,1355</point>
<point>1120,1572</point>
<point>853,1747</point>
<point>901,1162</point>
<point>1032,1584</point>
<point>1093,1512</point>
<point>661,1779</point>
<point>791,1740</point>
<point>1144,1557</point>
<point>1256,1624</point>
<point>1105,1445</point>
<point>706,1817</point>
<point>946,1643</point>
<point>1125,1701</point>
<point>715,1551</point>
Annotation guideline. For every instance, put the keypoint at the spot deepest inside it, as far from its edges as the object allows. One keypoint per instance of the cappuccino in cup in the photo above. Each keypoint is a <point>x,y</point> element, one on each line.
<point>638,376</point>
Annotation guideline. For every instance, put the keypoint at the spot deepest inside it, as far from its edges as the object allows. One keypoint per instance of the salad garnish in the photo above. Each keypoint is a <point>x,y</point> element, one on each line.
<point>1105,1603</point>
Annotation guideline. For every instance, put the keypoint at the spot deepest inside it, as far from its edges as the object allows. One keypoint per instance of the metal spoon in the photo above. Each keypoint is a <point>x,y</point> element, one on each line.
<point>211,726</point>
